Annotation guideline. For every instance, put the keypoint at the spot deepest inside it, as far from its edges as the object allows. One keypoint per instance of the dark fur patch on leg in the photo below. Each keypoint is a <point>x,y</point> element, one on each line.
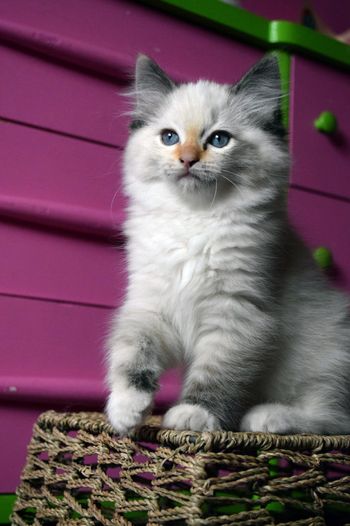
<point>144,372</point>
<point>143,380</point>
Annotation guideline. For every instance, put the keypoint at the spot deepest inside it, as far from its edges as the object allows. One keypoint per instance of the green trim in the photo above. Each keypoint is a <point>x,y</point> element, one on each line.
<point>235,21</point>
<point>284,66</point>
<point>6,506</point>
<point>299,38</point>
<point>214,13</point>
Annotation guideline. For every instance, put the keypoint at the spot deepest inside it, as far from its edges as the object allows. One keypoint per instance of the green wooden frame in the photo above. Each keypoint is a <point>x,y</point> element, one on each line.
<point>7,501</point>
<point>276,34</point>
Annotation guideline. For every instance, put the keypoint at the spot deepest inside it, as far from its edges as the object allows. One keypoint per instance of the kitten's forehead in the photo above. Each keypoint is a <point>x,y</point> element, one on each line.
<point>197,105</point>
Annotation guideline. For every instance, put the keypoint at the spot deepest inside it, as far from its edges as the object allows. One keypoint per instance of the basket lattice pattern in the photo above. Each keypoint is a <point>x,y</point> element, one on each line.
<point>79,473</point>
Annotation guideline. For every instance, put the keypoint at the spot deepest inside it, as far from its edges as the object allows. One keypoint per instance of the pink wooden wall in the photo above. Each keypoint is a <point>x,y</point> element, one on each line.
<point>64,67</point>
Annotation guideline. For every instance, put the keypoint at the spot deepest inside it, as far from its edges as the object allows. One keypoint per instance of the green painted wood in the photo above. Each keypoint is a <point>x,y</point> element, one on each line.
<point>299,38</point>
<point>6,505</point>
<point>247,26</point>
<point>284,62</point>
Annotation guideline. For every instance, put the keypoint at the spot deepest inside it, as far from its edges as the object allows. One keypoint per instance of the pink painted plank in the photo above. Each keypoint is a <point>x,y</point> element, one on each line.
<point>98,60</point>
<point>49,95</point>
<point>50,390</point>
<point>45,166</point>
<point>52,340</point>
<point>65,217</point>
<point>51,264</point>
<point>110,25</point>
<point>323,221</point>
<point>89,392</point>
<point>320,161</point>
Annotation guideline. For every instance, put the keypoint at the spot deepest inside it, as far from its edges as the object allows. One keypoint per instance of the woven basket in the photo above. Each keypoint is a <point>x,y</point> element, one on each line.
<point>79,473</point>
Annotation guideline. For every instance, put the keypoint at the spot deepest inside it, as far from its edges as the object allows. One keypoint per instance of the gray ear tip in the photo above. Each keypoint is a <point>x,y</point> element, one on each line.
<point>146,66</point>
<point>271,57</point>
<point>143,60</point>
<point>271,63</point>
<point>141,57</point>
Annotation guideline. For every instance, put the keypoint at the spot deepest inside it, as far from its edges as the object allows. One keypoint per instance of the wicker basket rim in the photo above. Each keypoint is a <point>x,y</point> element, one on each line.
<point>96,423</point>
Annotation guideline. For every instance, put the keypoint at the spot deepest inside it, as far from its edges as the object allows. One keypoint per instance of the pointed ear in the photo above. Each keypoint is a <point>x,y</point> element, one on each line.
<point>152,85</point>
<point>260,94</point>
<point>264,75</point>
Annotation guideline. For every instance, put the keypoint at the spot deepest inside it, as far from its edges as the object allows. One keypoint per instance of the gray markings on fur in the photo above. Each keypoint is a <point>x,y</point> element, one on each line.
<point>136,124</point>
<point>143,372</point>
<point>144,380</point>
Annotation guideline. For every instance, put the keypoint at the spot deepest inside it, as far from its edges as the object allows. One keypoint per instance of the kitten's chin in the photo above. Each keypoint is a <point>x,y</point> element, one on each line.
<point>188,182</point>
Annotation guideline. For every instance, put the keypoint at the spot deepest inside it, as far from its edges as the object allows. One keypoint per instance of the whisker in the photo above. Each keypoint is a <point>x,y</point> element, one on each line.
<point>216,189</point>
<point>113,199</point>
<point>235,186</point>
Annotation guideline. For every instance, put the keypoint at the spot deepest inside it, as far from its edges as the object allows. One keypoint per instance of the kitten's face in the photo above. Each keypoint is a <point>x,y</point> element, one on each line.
<point>201,138</point>
<point>192,139</point>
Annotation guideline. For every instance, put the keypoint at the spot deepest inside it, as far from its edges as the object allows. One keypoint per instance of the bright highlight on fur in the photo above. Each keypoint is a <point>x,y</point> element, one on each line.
<point>218,280</point>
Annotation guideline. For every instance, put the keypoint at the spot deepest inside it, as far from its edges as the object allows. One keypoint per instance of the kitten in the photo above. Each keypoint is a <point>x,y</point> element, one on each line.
<point>218,280</point>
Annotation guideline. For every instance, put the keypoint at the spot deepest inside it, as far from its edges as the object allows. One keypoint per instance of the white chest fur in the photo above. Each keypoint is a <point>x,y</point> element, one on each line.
<point>177,249</point>
<point>178,262</point>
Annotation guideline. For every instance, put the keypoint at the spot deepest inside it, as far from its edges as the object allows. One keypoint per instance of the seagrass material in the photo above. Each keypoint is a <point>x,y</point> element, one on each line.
<point>79,473</point>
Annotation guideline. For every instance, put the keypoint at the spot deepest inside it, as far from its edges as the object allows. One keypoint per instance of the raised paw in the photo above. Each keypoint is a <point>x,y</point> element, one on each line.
<point>191,417</point>
<point>126,408</point>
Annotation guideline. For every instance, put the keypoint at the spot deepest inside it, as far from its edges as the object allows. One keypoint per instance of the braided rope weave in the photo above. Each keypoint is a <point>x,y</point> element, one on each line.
<point>79,473</point>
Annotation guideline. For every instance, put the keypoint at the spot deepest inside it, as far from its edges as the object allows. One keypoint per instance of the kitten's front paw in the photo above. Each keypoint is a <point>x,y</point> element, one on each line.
<point>269,418</point>
<point>127,408</point>
<point>191,417</point>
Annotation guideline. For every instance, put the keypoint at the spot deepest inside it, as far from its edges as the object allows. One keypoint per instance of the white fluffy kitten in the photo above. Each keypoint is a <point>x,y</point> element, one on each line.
<point>218,281</point>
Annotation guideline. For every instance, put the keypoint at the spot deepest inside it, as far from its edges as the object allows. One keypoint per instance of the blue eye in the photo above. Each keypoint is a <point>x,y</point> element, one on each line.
<point>219,139</point>
<point>169,137</point>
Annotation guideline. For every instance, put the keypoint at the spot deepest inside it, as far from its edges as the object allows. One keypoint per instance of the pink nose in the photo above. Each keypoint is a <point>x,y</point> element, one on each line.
<point>189,163</point>
<point>189,156</point>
